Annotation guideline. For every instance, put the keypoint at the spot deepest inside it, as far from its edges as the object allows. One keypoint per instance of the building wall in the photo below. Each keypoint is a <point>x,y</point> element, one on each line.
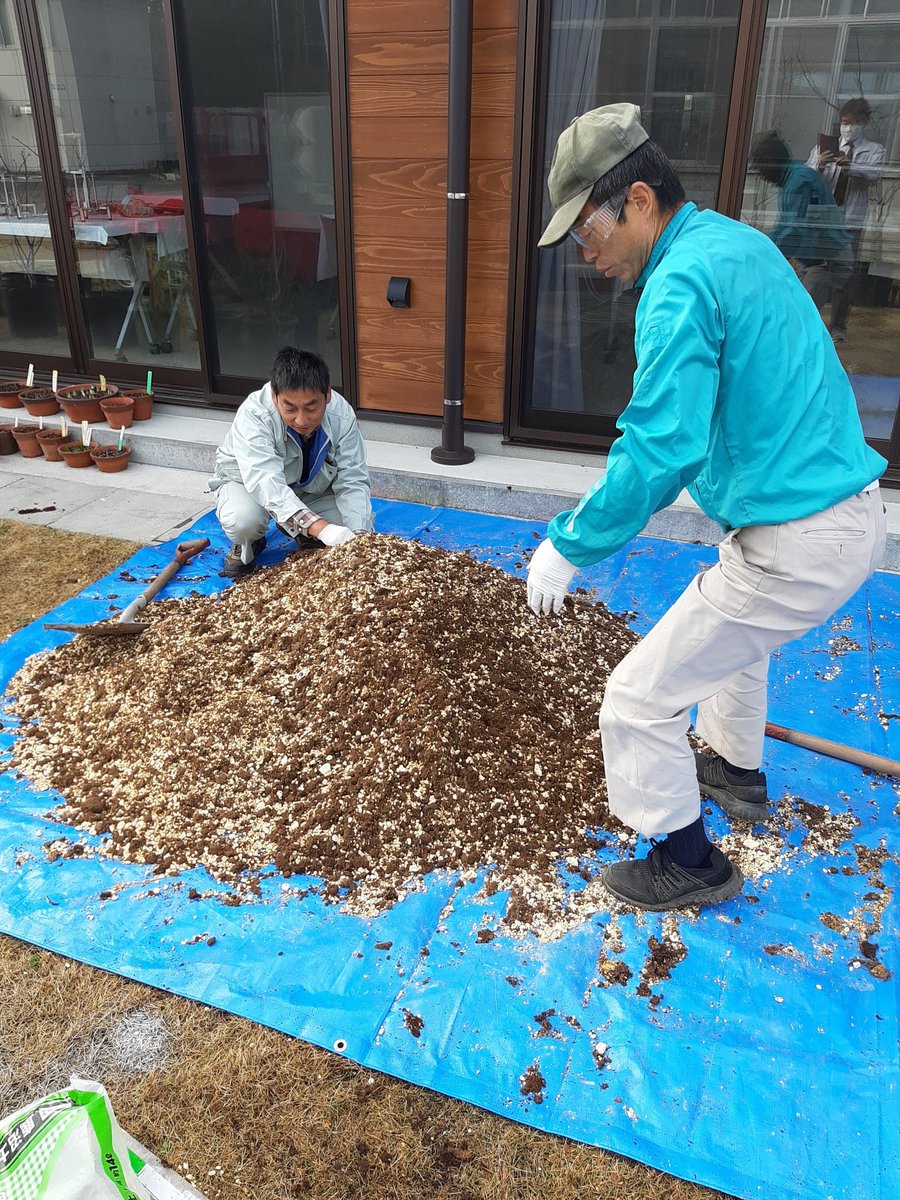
<point>397,67</point>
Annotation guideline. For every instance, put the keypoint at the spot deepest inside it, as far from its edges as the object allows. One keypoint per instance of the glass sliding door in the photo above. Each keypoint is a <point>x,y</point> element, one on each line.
<point>108,72</point>
<point>826,125</point>
<point>31,313</point>
<point>674,58</point>
<point>256,80</point>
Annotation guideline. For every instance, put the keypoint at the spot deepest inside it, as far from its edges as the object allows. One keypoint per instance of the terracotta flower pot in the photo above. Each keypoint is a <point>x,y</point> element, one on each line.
<point>110,459</point>
<point>9,393</point>
<point>40,402</point>
<point>119,413</point>
<point>76,454</point>
<point>7,441</point>
<point>81,402</point>
<point>143,404</point>
<point>50,441</point>
<point>26,440</point>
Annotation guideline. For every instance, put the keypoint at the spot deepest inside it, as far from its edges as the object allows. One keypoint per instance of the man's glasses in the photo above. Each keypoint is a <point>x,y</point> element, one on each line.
<point>595,229</point>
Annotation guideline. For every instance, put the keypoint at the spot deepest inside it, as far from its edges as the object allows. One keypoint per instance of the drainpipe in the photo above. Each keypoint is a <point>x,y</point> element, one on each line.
<point>452,450</point>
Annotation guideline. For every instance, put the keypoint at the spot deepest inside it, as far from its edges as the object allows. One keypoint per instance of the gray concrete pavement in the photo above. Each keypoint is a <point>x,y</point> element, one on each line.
<point>165,487</point>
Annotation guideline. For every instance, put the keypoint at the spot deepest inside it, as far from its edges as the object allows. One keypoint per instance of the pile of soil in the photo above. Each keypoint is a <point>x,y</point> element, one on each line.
<point>363,715</point>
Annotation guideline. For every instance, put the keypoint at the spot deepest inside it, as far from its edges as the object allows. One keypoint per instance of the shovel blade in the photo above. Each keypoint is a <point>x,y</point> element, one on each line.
<point>105,628</point>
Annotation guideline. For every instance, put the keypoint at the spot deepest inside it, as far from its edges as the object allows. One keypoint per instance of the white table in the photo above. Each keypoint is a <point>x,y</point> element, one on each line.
<point>125,261</point>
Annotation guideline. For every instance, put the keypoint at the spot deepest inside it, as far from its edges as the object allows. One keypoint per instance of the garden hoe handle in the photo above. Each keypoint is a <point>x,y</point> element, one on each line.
<point>185,552</point>
<point>861,758</point>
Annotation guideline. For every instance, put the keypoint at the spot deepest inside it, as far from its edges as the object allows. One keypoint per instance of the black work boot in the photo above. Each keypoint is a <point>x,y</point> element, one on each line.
<point>658,883</point>
<point>234,568</point>
<point>741,795</point>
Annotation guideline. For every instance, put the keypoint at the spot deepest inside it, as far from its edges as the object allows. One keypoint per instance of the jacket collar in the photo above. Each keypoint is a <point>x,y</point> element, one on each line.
<point>860,144</point>
<point>664,241</point>
<point>318,445</point>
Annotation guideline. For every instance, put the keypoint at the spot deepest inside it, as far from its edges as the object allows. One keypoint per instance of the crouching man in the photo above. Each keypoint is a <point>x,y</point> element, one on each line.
<point>294,452</point>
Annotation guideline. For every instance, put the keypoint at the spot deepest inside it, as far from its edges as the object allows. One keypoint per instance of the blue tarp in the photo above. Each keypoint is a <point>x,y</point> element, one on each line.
<point>765,1073</point>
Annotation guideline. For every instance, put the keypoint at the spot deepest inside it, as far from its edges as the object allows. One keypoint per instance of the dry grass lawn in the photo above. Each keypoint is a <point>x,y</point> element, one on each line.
<point>243,1111</point>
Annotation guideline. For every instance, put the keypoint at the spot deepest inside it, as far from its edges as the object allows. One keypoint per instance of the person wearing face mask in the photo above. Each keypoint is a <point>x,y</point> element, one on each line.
<point>851,173</point>
<point>293,453</point>
<point>739,397</point>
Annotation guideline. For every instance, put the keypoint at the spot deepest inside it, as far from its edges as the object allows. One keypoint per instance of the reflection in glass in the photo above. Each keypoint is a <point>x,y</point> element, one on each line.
<point>31,320</point>
<point>108,71</point>
<point>831,95</point>
<point>262,147</point>
<point>677,66</point>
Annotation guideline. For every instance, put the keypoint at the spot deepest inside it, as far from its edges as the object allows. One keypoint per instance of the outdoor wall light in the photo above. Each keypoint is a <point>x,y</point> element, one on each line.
<point>398,291</point>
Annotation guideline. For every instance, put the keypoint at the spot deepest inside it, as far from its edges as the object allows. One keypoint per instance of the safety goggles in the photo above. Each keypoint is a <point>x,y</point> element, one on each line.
<point>595,229</point>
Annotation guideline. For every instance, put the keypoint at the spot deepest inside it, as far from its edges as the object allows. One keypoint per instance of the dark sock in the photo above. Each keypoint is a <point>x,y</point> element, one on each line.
<point>690,847</point>
<point>738,774</point>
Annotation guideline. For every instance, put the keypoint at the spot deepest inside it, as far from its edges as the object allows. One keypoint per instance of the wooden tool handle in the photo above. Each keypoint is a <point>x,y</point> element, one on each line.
<point>187,550</point>
<point>159,582</point>
<point>808,741</point>
<point>184,553</point>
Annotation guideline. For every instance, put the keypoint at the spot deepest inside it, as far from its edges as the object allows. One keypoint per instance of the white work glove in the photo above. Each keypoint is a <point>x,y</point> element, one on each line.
<point>549,576</point>
<point>335,535</point>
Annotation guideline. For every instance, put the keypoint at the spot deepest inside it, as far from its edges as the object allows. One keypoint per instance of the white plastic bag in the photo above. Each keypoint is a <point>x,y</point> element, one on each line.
<point>67,1146</point>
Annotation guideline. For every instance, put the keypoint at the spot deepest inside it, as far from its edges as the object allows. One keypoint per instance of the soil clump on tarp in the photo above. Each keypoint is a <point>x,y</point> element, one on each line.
<point>363,715</point>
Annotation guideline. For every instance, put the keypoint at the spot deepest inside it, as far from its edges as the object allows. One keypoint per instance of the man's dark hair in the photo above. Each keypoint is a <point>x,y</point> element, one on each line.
<point>299,371</point>
<point>771,153</point>
<point>648,164</point>
<point>857,107</point>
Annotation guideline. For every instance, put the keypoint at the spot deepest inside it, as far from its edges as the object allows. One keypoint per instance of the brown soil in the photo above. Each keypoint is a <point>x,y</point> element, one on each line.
<point>358,744</point>
<point>663,959</point>
<point>89,393</point>
<point>532,1084</point>
<point>413,1022</point>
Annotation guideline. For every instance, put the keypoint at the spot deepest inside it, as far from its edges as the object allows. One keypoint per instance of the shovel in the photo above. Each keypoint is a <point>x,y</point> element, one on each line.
<point>125,623</point>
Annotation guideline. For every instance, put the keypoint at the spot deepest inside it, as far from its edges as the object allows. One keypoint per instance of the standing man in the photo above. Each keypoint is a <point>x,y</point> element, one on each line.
<point>738,396</point>
<point>294,452</point>
<point>851,174</point>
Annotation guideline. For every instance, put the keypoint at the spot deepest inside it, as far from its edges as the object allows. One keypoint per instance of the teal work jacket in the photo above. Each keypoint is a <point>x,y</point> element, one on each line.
<point>738,396</point>
<point>810,225</point>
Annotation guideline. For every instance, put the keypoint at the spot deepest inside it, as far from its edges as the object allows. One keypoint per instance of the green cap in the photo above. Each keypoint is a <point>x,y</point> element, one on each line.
<point>592,145</point>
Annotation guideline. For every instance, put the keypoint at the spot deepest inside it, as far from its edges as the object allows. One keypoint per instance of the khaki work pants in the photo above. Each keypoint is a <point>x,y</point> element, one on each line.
<point>244,520</point>
<point>771,584</point>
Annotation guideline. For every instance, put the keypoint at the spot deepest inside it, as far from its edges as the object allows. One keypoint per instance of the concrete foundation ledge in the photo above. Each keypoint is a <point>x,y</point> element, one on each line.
<point>511,481</point>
